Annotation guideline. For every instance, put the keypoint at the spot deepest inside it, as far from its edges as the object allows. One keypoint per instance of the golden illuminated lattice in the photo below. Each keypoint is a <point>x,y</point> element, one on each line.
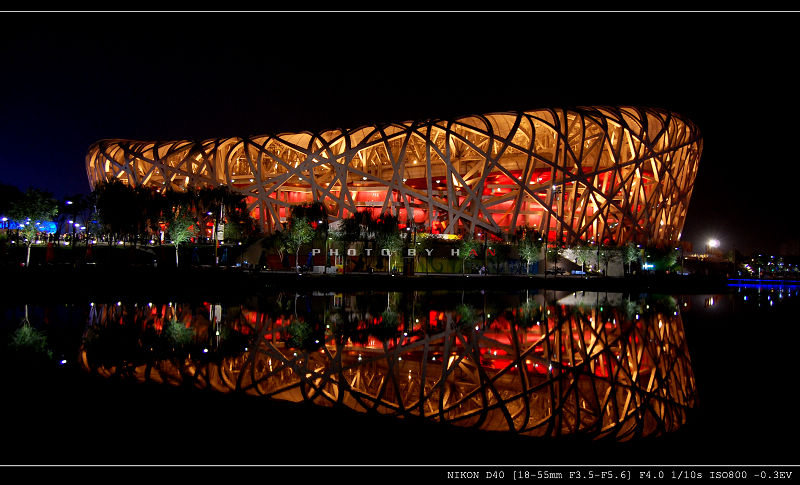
<point>600,173</point>
<point>540,369</point>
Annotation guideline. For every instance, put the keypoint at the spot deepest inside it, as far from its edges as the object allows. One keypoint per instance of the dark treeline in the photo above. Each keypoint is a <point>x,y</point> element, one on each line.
<point>116,214</point>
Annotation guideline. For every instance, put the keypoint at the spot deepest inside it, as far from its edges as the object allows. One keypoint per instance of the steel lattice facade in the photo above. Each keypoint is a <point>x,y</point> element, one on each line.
<point>613,174</point>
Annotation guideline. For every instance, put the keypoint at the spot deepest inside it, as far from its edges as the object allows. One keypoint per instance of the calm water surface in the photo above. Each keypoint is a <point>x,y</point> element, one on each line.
<point>704,371</point>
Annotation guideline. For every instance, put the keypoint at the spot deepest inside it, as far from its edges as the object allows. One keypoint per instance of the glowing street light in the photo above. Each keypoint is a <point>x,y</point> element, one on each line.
<point>712,243</point>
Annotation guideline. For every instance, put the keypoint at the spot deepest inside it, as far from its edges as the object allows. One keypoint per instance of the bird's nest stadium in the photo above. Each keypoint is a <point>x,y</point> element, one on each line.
<point>597,174</point>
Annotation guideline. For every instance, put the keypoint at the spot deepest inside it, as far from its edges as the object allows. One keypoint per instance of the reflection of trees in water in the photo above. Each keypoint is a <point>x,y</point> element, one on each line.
<point>28,345</point>
<point>538,367</point>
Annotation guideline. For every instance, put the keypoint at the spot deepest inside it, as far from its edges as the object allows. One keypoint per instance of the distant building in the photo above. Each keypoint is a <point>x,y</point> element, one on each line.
<point>609,174</point>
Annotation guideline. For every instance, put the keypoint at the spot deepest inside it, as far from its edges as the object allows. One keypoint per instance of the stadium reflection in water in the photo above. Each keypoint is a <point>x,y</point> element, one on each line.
<point>544,364</point>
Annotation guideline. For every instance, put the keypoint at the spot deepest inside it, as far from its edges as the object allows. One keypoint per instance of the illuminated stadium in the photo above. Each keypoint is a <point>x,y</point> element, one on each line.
<point>609,174</point>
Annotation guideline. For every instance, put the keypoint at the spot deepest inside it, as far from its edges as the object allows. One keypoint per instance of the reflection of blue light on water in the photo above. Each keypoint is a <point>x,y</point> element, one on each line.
<point>748,283</point>
<point>792,286</point>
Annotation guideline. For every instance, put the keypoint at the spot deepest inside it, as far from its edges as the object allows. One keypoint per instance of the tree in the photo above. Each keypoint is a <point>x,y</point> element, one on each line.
<point>152,206</point>
<point>630,254</point>
<point>176,199</point>
<point>181,228</point>
<point>313,211</point>
<point>605,255</point>
<point>368,226</point>
<point>298,233</point>
<point>117,208</point>
<point>582,253</point>
<point>357,227</point>
<point>392,244</point>
<point>222,204</point>
<point>275,242</point>
<point>670,259</point>
<point>342,238</point>
<point>74,208</point>
<point>232,231</point>
<point>387,236</point>
<point>35,206</point>
<point>529,245</point>
<point>467,248</point>
<point>553,254</point>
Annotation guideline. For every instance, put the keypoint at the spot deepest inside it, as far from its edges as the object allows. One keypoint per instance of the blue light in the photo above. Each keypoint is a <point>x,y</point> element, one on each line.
<point>764,284</point>
<point>47,226</point>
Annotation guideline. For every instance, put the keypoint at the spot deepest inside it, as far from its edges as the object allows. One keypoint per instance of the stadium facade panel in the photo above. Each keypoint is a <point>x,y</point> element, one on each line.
<point>610,174</point>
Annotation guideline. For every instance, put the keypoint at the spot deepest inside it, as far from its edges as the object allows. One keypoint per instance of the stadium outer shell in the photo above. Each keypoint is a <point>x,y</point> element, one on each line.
<point>614,174</point>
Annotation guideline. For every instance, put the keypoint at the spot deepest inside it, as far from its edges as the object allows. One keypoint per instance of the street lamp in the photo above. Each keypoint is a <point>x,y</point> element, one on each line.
<point>408,261</point>
<point>712,243</point>
<point>327,256</point>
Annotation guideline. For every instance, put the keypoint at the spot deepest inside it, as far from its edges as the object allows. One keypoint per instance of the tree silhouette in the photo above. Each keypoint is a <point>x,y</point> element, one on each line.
<point>181,227</point>
<point>553,253</point>
<point>387,236</point>
<point>582,254</point>
<point>298,233</point>
<point>35,206</point>
<point>68,211</point>
<point>529,245</point>
<point>605,254</point>
<point>348,232</point>
<point>630,254</point>
<point>392,243</point>
<point>117,209</point>
<point>466,248</point>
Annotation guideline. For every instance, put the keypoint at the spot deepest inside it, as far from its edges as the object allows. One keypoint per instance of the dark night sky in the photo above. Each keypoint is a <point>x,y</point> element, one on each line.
<point>69,79</point>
